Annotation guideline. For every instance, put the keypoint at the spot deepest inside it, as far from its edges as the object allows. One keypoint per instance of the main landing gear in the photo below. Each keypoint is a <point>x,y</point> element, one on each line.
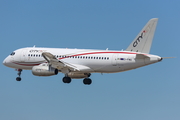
<point>66,79</point>
<point>19,74</point>
<point>86,81</point>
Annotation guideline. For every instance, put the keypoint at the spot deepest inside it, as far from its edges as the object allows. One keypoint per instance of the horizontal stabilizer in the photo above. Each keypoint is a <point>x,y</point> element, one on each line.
<point>141,56</point>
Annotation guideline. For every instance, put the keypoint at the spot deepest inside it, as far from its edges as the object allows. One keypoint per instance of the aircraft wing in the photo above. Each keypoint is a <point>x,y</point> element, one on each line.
<point>59,64</point>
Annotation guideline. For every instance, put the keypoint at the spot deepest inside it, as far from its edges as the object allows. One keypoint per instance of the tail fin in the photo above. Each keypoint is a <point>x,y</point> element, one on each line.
<point>142,43</point>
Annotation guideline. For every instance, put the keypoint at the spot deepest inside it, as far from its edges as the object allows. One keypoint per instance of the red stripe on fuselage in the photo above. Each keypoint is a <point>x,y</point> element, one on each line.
<point>96,53</point>
<point>27,64</point>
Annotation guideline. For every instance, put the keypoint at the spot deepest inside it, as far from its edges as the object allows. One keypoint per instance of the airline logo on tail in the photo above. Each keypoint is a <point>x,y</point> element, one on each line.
<point>138,39</point>
<point>141,37</point>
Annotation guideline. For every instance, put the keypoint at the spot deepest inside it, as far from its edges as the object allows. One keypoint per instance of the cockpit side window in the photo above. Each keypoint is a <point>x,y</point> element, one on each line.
<point>13,53</point>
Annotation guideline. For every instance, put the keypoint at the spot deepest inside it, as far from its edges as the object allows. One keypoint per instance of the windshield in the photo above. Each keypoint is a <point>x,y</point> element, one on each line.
<point>13,53</point>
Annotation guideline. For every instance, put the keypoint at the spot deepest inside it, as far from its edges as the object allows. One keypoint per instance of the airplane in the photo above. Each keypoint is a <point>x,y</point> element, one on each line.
<point>81,63</point>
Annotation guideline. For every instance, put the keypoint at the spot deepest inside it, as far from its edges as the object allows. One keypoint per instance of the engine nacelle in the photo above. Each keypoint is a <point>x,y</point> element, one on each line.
<point>44,71</point>
<point>78,75</point>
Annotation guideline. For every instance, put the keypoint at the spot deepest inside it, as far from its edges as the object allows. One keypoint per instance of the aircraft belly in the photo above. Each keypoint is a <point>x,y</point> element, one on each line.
<point>127,65</point>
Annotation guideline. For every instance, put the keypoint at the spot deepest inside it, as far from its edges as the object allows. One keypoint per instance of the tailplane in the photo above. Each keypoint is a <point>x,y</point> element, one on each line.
<point>142,43</point>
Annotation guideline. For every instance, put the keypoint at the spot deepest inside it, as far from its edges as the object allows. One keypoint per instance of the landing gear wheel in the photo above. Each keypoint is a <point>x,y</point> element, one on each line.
<point>87,81</point>
<point>66,79</point>
<point>18,79</point>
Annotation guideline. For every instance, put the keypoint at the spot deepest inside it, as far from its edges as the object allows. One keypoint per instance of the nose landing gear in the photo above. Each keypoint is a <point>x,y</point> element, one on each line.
<point>19,74</point>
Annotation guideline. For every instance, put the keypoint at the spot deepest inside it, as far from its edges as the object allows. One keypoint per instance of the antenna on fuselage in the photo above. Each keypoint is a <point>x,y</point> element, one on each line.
<point>34,46</point>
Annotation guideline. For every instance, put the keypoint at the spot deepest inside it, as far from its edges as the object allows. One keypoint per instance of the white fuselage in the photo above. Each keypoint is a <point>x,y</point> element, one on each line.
<point>102,61</point>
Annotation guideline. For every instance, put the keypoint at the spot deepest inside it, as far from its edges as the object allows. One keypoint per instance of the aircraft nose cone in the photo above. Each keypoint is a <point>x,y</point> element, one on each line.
<point>4,62</point>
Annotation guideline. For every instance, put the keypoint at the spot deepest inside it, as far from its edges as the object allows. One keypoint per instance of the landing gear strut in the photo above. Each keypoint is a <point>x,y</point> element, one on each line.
<point>19,74</point>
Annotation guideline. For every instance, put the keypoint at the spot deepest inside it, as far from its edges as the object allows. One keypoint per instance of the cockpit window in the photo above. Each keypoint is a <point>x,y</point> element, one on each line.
<point>13,53</point>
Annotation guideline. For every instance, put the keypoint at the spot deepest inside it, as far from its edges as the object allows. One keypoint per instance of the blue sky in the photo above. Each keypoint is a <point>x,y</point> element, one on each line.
<point>148,93</point>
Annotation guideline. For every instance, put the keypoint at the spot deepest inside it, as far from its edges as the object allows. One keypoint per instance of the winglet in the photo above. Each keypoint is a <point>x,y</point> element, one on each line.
<point>142,42</point>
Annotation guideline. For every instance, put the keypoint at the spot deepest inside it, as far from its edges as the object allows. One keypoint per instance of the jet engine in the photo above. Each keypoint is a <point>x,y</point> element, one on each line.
<point>45,70</point>
<point>78,75</point>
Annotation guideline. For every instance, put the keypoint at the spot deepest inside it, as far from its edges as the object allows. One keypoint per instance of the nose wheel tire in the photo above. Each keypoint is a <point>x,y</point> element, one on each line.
<point>18,79</point>
<point>87,81</point>
<point>66,79</point>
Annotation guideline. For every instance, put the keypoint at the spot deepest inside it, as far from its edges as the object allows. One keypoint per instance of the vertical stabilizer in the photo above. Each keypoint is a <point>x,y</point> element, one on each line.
<point>142,43</point>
